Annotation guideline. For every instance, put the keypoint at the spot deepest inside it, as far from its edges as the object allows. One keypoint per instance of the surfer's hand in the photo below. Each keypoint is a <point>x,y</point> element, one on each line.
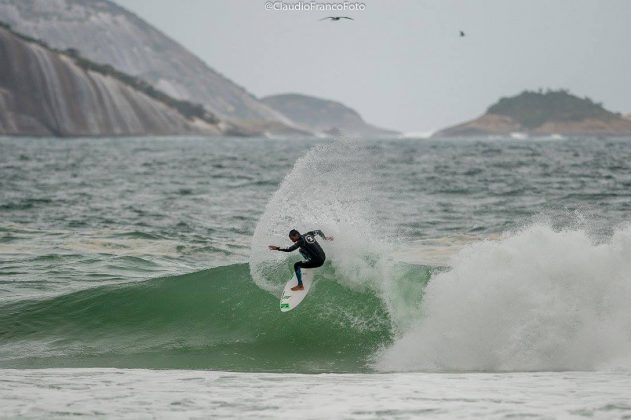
<point>328,238</point>
<point>273,247</point>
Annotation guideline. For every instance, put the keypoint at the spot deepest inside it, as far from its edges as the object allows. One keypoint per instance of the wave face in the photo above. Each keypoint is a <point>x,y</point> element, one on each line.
<point>539,299</point>
<point>215,319</point>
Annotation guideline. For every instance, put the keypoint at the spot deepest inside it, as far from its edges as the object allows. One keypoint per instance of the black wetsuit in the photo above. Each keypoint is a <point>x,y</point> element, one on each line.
<point>310,250</point>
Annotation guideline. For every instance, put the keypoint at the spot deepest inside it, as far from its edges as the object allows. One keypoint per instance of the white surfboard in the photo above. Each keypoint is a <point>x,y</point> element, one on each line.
<point>290,299</point>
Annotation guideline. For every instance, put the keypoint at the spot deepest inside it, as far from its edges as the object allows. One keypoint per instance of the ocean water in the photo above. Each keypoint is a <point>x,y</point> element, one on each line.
<point>467,277</point>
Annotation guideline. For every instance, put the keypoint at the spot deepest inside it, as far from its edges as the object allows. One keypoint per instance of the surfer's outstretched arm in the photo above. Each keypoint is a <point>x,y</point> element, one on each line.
<point>321,234</point>
<point>290,249</point>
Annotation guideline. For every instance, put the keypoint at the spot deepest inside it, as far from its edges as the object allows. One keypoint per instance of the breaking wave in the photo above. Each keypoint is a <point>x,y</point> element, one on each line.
<point>538,299</point>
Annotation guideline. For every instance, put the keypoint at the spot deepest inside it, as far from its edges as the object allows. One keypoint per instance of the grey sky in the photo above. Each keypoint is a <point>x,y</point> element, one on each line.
<point>401,63</point>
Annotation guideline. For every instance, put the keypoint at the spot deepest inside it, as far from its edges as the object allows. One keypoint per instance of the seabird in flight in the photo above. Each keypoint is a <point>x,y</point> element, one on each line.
<point>336,18</point>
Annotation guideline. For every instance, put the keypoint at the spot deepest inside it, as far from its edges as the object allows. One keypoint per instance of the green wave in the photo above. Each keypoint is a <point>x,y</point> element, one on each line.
<point>212,319</point>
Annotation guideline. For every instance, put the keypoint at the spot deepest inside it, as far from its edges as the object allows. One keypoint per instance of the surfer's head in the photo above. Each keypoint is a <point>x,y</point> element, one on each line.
<point>294,235</point>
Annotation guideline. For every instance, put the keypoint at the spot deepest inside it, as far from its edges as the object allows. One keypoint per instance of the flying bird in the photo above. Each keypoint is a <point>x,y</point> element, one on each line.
<point>461,33</point>
<point>336,18</point>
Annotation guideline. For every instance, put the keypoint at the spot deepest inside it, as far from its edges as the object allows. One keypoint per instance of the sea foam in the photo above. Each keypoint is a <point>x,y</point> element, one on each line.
<point>537,299</point>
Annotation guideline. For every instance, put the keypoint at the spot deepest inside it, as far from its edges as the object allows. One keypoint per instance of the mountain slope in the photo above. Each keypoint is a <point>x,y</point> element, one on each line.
<point>107,33</point>
<point>543,113</point>
<point>44,92</point>
<point>323,115</point>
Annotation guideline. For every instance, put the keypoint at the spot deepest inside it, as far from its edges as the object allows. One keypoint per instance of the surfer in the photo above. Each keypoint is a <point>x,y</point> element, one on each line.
<point>309,248</point>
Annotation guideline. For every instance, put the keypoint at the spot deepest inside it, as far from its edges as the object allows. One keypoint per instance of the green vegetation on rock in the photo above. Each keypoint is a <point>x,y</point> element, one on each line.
<point>533,109</point>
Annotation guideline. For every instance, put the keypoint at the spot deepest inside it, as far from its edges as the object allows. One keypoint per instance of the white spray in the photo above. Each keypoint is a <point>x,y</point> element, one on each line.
<point>539,299</point>
<point>329,188</point>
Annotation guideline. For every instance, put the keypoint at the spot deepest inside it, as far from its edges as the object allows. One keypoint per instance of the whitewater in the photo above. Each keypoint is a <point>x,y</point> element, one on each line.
<point>467,277</point>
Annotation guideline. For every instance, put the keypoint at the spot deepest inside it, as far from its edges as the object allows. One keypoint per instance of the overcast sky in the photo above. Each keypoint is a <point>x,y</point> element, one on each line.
<point>402,64</point>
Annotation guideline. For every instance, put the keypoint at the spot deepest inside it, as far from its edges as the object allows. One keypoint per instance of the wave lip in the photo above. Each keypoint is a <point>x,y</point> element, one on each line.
<point>539,299</point>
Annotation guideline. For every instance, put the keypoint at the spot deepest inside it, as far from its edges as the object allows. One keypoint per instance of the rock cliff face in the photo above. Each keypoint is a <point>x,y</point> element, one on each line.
<point>323,116</point>
<point>107,33</point>
<point>46,93</point>
<point>543,114</point>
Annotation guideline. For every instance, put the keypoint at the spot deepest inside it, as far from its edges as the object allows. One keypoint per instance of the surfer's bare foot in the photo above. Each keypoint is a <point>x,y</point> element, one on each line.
<point>299,287</point>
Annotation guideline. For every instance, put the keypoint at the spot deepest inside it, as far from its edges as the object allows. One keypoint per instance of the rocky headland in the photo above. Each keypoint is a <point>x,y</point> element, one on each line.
<point>553,112</point>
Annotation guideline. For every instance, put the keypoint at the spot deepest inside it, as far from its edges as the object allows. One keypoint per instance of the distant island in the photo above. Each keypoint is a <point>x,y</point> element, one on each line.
<point>553,112</point>
<point>323,116</point>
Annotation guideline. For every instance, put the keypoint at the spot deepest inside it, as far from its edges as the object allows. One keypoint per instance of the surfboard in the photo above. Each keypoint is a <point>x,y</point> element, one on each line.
<point>290,299</point>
